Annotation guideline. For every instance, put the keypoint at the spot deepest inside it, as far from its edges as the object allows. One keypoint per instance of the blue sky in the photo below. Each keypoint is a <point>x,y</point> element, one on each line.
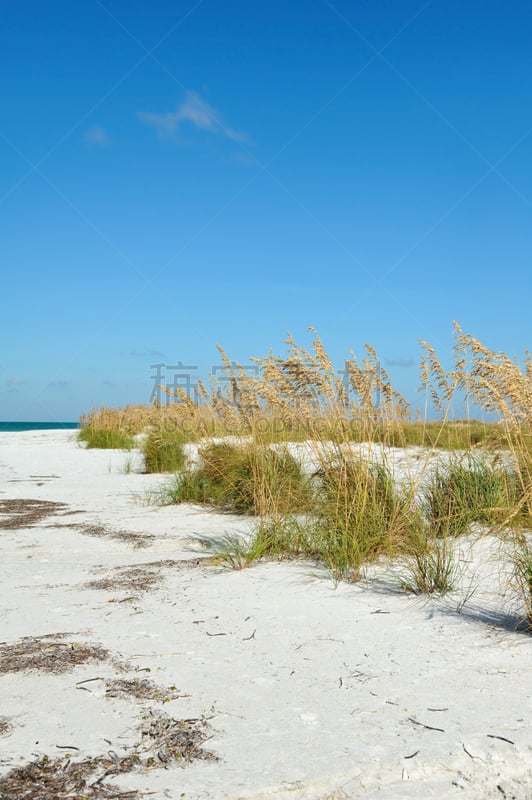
<point>177,174</point>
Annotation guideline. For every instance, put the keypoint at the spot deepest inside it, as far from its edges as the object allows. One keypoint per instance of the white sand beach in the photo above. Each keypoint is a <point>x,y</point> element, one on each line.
<point>301,689</point>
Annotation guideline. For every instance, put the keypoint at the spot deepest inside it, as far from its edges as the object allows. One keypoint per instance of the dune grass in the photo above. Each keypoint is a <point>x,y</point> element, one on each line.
<point>523,575</point>
<point>106,439</point>
<point>163,450</point>
<point>349,519</point>
<point>246,479</point>
<point>462,492</point>
<point>430,567</point>
<point>348,512</point>
<point>359,515</point>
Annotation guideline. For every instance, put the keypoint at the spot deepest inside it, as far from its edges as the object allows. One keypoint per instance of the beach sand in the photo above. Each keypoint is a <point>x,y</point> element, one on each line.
<point>300,688</point>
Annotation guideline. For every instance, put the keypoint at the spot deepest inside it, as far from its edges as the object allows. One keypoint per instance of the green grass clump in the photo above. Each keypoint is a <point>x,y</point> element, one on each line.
<point>236,552</point>
<point>430,565</point>
<point>245,480</point>
<point>359,516</point>
<point>106,439</point>
<point>278,537</point>
<point>523,574</point>
<point>354,517</point>
<point>163,451</point>
<point>522,483</point>
<point>461,493</point>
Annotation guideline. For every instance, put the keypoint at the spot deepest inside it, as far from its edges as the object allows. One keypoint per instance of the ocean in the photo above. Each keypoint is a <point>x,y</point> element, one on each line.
<point>15,427</point>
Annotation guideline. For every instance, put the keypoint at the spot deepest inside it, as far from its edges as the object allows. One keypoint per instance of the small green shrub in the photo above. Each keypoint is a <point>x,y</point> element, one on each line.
<point>288,536</point>
<point>246,480</point>
<point>521,486</point>
<point>430,566</point>
<point>460,494</point>
<point>163,451</point>
<point>523,574</point>
<point>359,516</point>
<point>235,552</point>
<point>278,537</point>
<point>355,516</point>
<point>106,439</point>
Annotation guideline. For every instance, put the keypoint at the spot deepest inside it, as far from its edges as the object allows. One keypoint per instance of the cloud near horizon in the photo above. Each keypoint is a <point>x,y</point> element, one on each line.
<point>192,110</point>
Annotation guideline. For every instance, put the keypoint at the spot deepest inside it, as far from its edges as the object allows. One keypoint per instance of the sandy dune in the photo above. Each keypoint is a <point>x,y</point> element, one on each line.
<point>300,689</point>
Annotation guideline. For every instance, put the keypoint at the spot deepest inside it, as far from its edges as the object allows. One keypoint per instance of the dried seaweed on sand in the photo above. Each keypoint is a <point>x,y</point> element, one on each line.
<point>144,577</point>
<point>25,513</point>
<point>139,690</point>
<point>59,779</point>
<point>136,540</point>
<point>46,654</point>
<point>163,740</point>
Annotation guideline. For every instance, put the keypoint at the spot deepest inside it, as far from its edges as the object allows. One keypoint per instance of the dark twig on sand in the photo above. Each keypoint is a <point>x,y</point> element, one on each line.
<point>422,725</point>
<point>501,738</point>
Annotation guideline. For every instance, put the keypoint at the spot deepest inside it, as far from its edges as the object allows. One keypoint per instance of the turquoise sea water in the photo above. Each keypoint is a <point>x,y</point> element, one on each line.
<point>37,426</point>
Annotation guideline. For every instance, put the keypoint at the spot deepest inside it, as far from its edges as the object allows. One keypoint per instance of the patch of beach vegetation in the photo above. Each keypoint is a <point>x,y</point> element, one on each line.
<point>351,509</point>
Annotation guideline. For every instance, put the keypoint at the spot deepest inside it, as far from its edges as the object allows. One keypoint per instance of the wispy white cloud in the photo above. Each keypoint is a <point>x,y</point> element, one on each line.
<point>97,136</point>
<point>17,382</point>
<point>194,111</point>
